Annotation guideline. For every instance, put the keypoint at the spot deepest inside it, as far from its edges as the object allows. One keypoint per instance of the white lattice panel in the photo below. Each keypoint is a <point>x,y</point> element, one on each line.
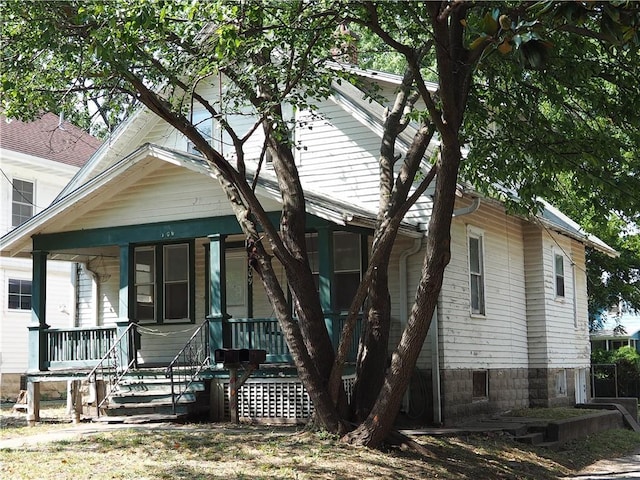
<point>276,399</point>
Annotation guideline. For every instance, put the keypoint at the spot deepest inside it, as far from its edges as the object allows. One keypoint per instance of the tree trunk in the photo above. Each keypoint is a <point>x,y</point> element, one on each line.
<point>373,353</point>
<point>378,424</point>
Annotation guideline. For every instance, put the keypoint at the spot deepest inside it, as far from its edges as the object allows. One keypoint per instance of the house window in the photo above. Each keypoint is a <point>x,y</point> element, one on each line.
<point>145,284</point>
<point>480,385</point>
<point>176,282</point>
<point>202,121</point>
<point>561,383</point>
<point>346,263</point>
<point>559,274</point>
<point>21,202</point>
<point>314,260</point>
<point>19,294</point>
<point>347,268</point>
<point>163,281</point>
<point>476,273</point>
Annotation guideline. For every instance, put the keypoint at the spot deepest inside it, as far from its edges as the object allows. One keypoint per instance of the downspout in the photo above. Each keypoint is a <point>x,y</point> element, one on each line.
<point>415,248</point>
<point>95,291</point>
<point>84,267</point>
<point>435,346</point>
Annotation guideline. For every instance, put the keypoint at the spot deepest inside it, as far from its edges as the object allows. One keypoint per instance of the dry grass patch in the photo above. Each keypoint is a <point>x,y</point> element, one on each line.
<point>217,451</point>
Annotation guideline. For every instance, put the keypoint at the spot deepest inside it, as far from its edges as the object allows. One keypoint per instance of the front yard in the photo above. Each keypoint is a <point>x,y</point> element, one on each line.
<point>210,451</point>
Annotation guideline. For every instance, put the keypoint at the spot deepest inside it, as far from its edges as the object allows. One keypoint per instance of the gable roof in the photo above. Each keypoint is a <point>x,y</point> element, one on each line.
<point>49,138</point>
<point>19,239</point>
<point>110,158</point>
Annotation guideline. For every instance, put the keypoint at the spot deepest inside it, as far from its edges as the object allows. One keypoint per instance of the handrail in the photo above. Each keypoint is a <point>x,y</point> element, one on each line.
<point>188,363</point>
<point>114,364</point>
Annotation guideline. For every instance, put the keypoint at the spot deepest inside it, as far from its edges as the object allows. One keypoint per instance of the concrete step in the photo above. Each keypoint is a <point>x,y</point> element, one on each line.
<point>120,398</point>
<point>156,386</point>
<point>532,438</point>
<point>137,419</point>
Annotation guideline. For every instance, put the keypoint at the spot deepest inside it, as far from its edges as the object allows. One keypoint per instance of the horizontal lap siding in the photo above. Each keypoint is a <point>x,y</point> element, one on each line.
<point>339,155</point>
<point>567,345</point>
<point>582,314</point>
<point>108,270</point>
<point>536,296</point>
<point>499,339</point>
<point>13,328</point>
<point>414,268</point>
<point>168,193</point>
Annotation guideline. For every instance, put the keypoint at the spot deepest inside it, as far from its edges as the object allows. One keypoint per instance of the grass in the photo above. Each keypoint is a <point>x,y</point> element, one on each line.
<point>216,451</point>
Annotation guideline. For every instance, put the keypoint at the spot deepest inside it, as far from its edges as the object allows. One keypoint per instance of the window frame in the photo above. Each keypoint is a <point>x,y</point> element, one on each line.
<point>159,283</point>
<point>22,201</point>
<point>477,234</point>
<point>556,276</point>
<point>475,374</point>
<point>19,294</point>
<point>346,271</point>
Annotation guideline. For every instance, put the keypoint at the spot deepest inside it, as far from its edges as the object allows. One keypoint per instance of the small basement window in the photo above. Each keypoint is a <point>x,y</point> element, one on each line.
<point>480,385</point>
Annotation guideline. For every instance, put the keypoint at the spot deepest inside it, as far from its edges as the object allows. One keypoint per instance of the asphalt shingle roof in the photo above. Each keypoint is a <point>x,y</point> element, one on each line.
<point>47,138</point>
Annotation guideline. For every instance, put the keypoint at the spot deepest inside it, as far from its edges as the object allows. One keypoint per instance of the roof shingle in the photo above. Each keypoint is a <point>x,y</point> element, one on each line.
<point>47,138</point>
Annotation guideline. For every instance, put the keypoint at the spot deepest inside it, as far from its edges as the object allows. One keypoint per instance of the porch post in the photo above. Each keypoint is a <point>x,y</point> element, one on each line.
<point>325,281</point>
<point>217,292</point>
<point>123,297</point>
<point>38,348</point>
<point>128,349</point>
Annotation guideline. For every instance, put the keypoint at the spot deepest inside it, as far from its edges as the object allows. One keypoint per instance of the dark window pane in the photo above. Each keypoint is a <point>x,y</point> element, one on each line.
<point>480,384</point>
<point>176,301</point>
<point>346,285</point>
<point>176,263</point>
<point>14,302</point>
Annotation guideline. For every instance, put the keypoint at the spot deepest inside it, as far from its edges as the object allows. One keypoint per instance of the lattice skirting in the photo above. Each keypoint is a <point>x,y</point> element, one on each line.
<point>269,400</point>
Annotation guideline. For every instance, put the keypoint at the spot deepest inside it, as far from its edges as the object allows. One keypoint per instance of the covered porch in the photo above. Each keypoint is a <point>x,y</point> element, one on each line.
<point>167,295</point>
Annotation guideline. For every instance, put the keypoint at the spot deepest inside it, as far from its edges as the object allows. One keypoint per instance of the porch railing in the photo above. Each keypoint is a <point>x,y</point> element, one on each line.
<point>114,365</point>
<point>259,333</point>
<point>82,347</point>
<point>186,366</point>
<point>265,334</point>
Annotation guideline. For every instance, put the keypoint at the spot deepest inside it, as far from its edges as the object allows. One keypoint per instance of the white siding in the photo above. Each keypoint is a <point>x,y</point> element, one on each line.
<point>13,327</point>
<point>558,326</point>
<point>48,178</point>
<point>497,339</point>
<point>167,193</point>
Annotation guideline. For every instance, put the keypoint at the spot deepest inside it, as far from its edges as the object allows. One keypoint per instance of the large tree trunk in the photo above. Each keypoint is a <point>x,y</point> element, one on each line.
<point>373,352</point>
<point>375,428</point>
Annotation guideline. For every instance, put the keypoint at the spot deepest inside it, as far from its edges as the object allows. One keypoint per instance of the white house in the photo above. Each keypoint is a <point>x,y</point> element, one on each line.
<point>37,160</point>
<point>511,324</point>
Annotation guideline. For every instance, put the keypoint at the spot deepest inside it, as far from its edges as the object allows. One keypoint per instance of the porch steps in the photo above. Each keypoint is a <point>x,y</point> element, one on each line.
<point>144,397</point>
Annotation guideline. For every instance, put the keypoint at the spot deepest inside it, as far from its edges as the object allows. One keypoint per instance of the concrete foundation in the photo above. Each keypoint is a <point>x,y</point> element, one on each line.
<point>506,389</point>
<point>552,387</point>
<point>12,383</point>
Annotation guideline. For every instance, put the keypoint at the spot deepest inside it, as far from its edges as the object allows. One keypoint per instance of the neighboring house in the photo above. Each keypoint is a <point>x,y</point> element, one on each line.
<point>511,326</point>
<point>608,340</point>
<point>37,159</point>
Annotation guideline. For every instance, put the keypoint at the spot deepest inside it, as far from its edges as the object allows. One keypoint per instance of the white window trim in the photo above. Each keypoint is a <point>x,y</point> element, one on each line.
<point>475,232</point>
<point>6,294</point>
<point>34,210</point>
<point>559,253</point>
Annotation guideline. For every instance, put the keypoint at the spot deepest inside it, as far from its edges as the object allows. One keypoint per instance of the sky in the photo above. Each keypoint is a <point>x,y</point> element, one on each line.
<point>630,322</point>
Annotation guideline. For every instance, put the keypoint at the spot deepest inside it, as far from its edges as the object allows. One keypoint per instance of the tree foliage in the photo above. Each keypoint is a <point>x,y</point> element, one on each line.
<point>539,97</point>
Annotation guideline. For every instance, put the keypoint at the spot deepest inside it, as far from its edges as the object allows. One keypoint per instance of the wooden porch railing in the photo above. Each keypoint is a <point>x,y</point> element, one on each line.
<point>77,347</point>
<point>84,347</point>
<point>259,333</point>
<point>265,334</point>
